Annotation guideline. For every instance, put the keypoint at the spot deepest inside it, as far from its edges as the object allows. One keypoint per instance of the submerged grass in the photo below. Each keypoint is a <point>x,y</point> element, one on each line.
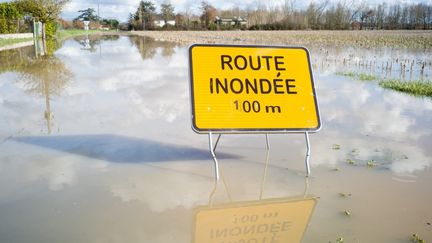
<point>347,74</point>
<point>416,88</point>
<point>6,42</point>
<point>359,76</point>
<point>366,77</point>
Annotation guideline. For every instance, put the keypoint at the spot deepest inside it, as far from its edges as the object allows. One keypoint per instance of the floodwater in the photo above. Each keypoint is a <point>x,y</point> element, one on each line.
<point>96,145</point>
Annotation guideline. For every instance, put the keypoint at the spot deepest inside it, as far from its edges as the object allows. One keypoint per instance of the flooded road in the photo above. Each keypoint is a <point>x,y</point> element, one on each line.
<point>96,145</point>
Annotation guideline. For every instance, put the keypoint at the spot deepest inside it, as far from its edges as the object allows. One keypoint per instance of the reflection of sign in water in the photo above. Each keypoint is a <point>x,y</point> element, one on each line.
<point>265,221</point>
<point>252,88</point>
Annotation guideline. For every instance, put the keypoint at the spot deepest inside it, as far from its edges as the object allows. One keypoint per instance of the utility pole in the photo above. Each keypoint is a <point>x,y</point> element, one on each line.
<point>98,12</point>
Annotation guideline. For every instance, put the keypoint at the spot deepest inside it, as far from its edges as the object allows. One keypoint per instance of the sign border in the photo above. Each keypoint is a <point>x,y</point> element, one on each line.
<point>248,130</point>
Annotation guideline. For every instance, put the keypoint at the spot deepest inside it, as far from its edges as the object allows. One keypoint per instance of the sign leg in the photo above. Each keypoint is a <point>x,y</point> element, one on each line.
<point>212,151</point>
<point>264,174</point>
<point>217,142</point>
<point>267,141</point>
<point>308,152</point>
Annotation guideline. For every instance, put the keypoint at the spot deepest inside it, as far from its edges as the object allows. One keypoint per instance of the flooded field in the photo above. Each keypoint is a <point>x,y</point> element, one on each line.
<point>96,145</point>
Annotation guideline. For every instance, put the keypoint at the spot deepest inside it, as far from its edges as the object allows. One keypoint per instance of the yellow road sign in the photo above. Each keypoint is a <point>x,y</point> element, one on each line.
<point>266,221</point>
<point>252,88</point>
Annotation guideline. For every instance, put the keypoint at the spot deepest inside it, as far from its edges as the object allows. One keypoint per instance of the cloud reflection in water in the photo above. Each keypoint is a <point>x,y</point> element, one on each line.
<point>383,126</point>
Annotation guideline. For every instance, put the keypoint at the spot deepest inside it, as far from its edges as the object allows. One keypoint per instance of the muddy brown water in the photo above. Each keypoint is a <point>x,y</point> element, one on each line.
<point>96,146</point>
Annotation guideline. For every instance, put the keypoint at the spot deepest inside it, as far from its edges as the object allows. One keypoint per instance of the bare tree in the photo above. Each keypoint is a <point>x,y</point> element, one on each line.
<point>314,14</point>
<point>167,11</point>
<point>208,13</point>
<point>289,7</point>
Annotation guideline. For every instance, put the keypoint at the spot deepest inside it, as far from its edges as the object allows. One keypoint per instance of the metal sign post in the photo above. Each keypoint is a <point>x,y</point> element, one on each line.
<point>252,89</point>
<point>212,151</point>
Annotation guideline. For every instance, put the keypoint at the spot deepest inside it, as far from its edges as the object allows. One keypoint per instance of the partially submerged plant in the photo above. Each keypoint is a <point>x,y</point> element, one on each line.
<point>371,163</point>
<point>336,147</point>
<point>415,238</point>
<point>340,240</point>
<point>355,152</point>
<point>344,194</point>
<point>350,162</point>
<point>347,213</point>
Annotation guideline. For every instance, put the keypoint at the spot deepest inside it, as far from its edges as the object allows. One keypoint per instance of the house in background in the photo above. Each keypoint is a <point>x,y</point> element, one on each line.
<point>231,21</point>
<point>161,23</point>
<point>356,25</point>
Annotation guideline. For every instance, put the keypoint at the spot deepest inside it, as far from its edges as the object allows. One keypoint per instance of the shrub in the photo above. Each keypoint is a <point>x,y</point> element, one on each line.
<point>9,18</point>
<point>212,26</point>
<point>50,29</point>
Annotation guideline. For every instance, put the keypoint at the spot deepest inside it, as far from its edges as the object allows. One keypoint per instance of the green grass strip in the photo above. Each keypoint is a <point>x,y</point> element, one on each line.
<point>366,77</point>
<point>417,87</point>
<point>64,34</point>
<point>359,76</point>
<point>347,74</point>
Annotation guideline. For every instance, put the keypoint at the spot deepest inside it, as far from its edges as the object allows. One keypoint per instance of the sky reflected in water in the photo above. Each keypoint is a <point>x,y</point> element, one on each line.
<point>96,145</point>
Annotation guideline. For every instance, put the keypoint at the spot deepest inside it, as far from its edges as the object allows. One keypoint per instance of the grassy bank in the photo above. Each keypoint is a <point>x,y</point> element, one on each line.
<point>417,87</point>
<point>7,42</point>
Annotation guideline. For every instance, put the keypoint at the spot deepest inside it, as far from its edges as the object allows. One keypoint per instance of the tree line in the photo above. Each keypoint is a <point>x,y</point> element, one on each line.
<point>95,21</point>
<point>318,15</point>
